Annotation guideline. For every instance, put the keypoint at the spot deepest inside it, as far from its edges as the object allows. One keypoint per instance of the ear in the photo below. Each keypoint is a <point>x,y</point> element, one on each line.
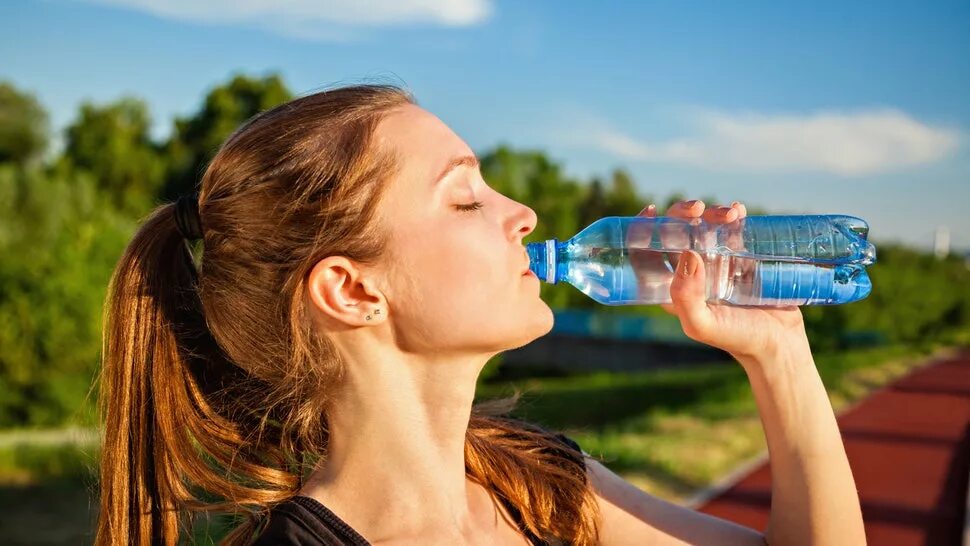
<point>339,289</point>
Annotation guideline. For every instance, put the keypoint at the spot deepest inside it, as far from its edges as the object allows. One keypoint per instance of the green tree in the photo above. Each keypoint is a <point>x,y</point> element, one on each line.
<point>196,139</point>
<point>23,126</point>
<point>113,144</point>
<point>594,205</point>
<point>673,198</point>
<point>622,198</point>
<point>915,296</point>
<point>65,236</point>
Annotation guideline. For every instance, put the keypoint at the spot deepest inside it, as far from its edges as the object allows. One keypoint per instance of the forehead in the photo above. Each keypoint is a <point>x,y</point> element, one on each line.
<point>422,143</point>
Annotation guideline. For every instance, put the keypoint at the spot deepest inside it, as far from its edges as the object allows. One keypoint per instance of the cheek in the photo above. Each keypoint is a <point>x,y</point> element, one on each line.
<point>450,277</point>
<point>464,270</point>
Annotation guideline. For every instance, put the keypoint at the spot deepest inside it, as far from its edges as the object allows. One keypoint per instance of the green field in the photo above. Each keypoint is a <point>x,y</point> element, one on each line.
<point>676,432</point>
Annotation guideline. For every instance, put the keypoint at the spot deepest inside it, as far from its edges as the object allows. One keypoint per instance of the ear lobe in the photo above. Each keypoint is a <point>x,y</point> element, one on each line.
<point>337,289</point>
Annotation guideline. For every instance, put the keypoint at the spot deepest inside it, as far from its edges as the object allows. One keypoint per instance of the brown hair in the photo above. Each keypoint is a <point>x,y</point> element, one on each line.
<point>214,386</point>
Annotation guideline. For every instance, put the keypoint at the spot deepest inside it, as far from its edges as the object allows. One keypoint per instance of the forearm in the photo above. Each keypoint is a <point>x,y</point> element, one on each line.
<point>813,495</point>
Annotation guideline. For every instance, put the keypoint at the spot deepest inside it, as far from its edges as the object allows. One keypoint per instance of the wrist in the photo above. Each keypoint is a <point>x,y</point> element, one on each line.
<point>777,351</point>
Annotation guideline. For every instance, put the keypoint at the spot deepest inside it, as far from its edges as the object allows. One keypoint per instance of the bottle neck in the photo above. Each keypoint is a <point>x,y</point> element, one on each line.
<point>542,259</point>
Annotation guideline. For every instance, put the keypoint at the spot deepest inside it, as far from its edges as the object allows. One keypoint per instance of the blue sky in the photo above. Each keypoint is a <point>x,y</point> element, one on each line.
<point>827,107</point>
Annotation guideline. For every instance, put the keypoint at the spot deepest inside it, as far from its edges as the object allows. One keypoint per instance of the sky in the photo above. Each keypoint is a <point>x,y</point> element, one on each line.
<point>856,108</point>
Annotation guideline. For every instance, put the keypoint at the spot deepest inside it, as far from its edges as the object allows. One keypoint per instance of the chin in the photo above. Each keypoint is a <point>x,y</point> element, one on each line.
<point>537,323</point>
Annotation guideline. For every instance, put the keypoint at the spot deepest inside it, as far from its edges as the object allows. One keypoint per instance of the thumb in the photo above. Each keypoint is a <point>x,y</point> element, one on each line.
<point>688,294</point>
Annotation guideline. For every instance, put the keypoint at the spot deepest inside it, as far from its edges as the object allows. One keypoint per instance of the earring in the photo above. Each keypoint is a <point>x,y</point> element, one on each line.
<point>376,312</point>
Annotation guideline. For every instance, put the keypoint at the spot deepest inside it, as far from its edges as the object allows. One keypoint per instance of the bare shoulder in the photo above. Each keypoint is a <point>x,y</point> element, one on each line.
<point>632,516</point>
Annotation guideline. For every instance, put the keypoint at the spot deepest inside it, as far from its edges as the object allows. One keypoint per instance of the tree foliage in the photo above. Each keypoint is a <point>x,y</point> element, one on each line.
<point>61,236</point>
<point>113,143</point>
<point>23,126</point>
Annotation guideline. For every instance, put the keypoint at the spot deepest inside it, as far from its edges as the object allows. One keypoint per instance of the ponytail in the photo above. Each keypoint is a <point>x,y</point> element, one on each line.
<point>173,408</point>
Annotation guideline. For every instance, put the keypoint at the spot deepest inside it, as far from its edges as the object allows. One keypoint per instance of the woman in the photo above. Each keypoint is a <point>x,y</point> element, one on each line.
<point>317,370</point>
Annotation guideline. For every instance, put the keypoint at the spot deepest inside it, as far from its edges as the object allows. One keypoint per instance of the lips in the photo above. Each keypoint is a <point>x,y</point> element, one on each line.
<point>527,268</point>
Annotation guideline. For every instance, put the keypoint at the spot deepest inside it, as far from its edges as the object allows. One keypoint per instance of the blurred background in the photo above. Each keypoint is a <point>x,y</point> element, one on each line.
<point>580,110</point>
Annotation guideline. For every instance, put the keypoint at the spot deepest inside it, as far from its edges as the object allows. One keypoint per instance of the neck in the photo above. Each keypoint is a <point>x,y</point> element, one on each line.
<point>395,463</point>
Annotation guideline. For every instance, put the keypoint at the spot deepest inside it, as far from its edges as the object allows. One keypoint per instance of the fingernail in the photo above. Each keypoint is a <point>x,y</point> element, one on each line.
<point>690,203</point>
<point>688,264</point>
<point>651,209</point>
<point>735,203</point>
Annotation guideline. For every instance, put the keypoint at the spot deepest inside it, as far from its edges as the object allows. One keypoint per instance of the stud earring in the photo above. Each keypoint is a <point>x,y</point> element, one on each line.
<point>376,312</point>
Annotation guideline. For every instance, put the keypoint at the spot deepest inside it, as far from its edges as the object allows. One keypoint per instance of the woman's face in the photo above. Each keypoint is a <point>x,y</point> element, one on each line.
<point>456,280</point>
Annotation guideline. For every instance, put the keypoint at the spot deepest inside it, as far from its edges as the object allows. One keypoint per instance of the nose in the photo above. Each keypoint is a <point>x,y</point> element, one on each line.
<point>526,220</point>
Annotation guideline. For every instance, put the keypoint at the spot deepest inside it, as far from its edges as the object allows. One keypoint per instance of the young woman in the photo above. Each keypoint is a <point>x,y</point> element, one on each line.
<point>316,370</point>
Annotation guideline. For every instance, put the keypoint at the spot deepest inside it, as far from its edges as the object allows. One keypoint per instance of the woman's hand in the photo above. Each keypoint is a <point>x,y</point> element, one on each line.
<point>747,333</point>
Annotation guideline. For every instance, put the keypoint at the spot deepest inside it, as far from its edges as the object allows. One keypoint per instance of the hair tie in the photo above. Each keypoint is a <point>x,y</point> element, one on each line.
<point>187,217</point>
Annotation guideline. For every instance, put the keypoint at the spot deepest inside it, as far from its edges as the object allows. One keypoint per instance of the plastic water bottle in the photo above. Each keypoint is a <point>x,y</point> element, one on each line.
<point>756,260</point>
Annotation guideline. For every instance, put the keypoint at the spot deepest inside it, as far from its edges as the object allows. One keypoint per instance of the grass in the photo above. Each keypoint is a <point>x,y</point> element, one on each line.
<point>46,492</point>
<point>671,432</point>
<point>677,431</point>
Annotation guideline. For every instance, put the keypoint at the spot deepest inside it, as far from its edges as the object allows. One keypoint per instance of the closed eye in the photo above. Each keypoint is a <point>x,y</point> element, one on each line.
<point>470,207</point>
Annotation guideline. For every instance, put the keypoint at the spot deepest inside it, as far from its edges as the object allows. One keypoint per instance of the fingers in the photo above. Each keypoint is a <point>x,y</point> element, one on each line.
<point>735,239</point>
<point>688,296</point>
<point>639,234</point>
<point>686,209</point>
<point>721,215</point>
<point>742,210</point>
<point>649,211</point>
<point>677,236</point>
<point>696,208</point>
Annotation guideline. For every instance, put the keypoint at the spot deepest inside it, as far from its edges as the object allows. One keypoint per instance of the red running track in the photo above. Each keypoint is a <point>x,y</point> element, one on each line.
<point>909,448</point>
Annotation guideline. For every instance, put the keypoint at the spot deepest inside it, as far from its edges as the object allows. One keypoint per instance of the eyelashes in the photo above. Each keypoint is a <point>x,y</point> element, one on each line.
<point>470,207</point>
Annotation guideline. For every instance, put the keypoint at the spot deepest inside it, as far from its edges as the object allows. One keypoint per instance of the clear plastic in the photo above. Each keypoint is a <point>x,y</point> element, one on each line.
<point>757,260</point>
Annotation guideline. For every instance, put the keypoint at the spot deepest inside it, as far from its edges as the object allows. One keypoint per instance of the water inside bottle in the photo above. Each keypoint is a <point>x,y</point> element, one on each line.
<point>619,276</point>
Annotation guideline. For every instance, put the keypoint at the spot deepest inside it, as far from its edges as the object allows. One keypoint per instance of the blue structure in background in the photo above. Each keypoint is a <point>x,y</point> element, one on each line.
<point>584,340</point>
<point>590,324</point>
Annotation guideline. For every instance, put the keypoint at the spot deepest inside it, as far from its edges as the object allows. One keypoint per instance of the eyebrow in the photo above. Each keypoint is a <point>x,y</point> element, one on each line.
<point>466,160</point>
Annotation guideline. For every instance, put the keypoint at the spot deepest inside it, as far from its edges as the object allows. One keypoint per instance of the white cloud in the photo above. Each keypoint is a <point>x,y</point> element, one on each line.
<point>837,142</point>
<point>314,19</point>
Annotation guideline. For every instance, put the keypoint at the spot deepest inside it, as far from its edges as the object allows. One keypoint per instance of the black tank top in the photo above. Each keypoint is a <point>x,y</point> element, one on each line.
<point>304,521</point>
